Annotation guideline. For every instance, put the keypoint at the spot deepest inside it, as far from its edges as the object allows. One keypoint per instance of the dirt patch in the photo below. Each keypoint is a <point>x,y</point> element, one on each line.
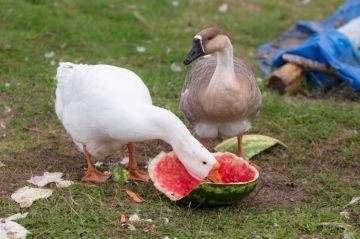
<point>72,163</point>
<point>276,188</point>
<point>339,93</point>
<point>275,185</point>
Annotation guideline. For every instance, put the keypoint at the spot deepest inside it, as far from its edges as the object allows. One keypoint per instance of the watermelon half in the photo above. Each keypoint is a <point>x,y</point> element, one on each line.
<point>171,178</point>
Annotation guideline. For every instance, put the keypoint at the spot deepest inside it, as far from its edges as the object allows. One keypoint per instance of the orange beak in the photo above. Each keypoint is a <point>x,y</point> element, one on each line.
<point>214,175</point>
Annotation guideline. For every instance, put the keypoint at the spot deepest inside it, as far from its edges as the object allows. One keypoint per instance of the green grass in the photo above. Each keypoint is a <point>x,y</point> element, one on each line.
<point>322,161</point>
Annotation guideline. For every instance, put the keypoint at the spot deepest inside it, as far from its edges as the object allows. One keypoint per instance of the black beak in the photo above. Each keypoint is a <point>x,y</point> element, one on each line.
<point>195,52</point>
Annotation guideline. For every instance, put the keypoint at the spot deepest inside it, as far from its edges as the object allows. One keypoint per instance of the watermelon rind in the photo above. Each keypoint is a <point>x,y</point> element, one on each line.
<point>206,194</point>
<point>212,194</point>
<point>120,174</point>
<point>253,144</point>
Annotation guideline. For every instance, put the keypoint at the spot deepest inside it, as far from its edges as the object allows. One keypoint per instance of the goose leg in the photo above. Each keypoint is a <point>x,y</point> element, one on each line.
<point>241,152</point>
<point>93,175</point>
<point>135,173</point>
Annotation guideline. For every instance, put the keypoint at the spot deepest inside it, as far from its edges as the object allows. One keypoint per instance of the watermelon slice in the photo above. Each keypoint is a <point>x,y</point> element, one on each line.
<point>170,177</point>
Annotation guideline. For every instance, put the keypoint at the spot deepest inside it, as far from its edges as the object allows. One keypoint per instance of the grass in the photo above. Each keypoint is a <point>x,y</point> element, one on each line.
<point>302,187</point>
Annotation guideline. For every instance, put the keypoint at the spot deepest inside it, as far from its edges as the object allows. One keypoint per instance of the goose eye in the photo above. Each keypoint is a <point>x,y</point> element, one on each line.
<point>209,38</point>
<point>204,162</point>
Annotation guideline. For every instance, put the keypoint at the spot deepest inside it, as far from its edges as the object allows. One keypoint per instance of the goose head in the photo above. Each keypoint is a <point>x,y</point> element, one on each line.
<point>207,41</point>
<point>198,161</point>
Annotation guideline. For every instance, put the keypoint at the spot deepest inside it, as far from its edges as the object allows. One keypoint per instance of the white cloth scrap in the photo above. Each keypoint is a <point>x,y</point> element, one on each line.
<point>12,230</point>
<point>354,200</point>
<point>47,178</point>
<point>25,196</point>
<point>17,216</point>
<point>64,183</point>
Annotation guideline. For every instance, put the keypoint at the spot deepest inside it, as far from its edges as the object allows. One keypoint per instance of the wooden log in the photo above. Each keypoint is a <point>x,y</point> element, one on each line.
<point>287,78</point>
<point>309,65</point>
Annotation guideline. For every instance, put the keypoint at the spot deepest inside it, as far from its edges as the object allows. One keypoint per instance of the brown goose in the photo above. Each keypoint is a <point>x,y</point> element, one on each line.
<point>220,96</point>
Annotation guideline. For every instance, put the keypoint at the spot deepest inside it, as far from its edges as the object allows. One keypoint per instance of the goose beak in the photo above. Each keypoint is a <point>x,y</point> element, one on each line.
<point>214,175</point>
<point>195,52</point>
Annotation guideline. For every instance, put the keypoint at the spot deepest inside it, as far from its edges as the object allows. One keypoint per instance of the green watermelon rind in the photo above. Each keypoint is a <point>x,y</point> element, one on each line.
<point>207,194</point>
<point>210,194</point>
<point>253,144</point>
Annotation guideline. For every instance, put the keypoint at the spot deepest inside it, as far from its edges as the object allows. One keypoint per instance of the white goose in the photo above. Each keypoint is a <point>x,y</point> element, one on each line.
<point>220,96</point>
<point>103,107</point>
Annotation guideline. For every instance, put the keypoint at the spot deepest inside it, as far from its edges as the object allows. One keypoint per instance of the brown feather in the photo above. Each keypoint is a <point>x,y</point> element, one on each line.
<point>243,101</point>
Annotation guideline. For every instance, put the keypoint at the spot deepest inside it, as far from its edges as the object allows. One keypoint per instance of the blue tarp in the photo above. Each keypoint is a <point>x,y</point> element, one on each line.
<point>318,41</point>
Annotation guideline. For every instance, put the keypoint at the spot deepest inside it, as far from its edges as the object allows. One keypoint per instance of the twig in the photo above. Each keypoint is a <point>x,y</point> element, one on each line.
<point>297,191</point>
<point>36,130</point>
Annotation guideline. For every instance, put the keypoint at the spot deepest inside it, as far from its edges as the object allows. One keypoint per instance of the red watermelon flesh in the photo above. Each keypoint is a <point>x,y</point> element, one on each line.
<point>234,170</point>
<point>170,175</point>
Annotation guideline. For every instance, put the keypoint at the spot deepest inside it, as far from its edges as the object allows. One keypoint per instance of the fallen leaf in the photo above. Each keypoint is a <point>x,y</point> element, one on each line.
<point>12,230</point>
<point>354,200</point>
<point>2,164</point>
<point>150,228</point>
<point>17,216</point>
<point>122,219</point>
<point>26,196</point>
<point>134,196</point>
<point>345,214</point>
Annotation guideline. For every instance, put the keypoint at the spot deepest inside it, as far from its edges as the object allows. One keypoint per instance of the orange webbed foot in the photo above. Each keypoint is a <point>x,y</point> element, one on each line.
<point>139,175</point>
<point>96,176</point>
